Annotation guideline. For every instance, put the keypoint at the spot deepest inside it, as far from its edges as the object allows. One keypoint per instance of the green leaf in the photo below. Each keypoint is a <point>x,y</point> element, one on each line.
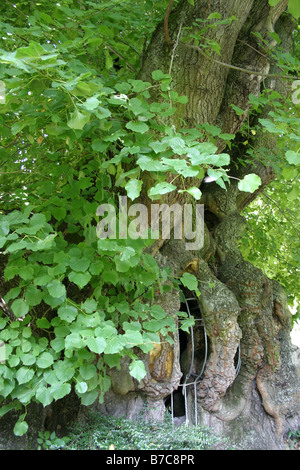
<point>20,308</point>
<point>148,164</point>
<point>78,120</point>
<point>112,360</point>
<point>115,345</point>
<point>42,280</point>
<point>159,75</point>
<point>3,322</point>
<point>133,337</point>
<point>28,359</point>
<point>137,126</point>
<point>26,333</point>
<point>289,172</point>
<point>88,371</point>
<point>136,106</point>
<point>292,157</point>
<point>90,305</point>
<point>111,277</point>
<point>58,344</point>
<point>74,341</point>
<point>12,294</point>
<point>160,189</point>
<point>293,194</point>
<point>214,16</point>
<point>60,331</point>
<point>45,360</point>
<point>14,405</point>
<point>249,183</point>
<point>227,137</point>
<point>80,264</point>
<point>272,127</point>
<point>96,345</point>
<point>24,394</point>
<point>189,281</point>
<point>159,147</point>
<point>44,396</point>
<point>21,427</point>
<point>103,113</point>
<point>26,272</point>
<point>158,312</point>
<point>137,370</point>
<point>223,159</point>
<point>24,375</point>
<point>34,50</point>
<point>178,145</point>
<point>63,371</point>
<point>195,192</point>
<point>89,397</point>
<point>4,227</point>
<point>108,60</point>
<point>133,188</point>
<point>81,387</point>
<point>182,99</point>
<point>186,324</point>
<point>16,246</point>
<point>56,289</point>
<point>80,279</point>
<point>67,313</point>
<point>294,8</point>
<point>238,110</point>
<point>59,212</point>
<point>99,146</point>
<point>33,295</point>
<point>91,103</point>
<point>213,130</point>
<point>60,390</point>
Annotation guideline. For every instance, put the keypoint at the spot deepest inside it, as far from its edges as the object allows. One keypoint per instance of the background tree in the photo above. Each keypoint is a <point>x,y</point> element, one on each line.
<point>169,103</point>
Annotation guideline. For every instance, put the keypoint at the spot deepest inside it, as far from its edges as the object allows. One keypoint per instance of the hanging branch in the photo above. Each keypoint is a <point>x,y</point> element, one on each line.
<point>239,69</point>
<point>166,25</point>
<point>121,57</point>
<point>281,211</point>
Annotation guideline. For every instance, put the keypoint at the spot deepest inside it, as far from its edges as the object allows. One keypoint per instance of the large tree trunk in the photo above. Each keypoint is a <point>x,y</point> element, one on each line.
<point>245,314</point>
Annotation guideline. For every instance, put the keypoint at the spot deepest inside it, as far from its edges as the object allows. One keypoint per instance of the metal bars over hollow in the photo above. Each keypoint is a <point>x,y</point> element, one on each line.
<point>195,307</point>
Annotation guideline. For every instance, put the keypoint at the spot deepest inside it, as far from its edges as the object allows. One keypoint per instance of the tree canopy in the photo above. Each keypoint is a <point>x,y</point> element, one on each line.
<point>80,128</point>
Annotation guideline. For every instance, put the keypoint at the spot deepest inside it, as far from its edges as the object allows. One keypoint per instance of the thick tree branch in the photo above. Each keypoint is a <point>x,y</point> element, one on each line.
<point>166,24</point>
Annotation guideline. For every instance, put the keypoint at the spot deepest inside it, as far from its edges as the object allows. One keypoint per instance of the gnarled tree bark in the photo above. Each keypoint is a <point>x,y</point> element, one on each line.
<point>244,310</point>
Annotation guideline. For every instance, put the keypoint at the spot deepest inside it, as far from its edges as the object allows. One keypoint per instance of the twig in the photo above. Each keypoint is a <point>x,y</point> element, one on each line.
<point>174,49</point>
<point>281,211</point>
<point>253,48</point>
<point>15,6</point>
<point>25,173</point>
<point>143,51</point>
<point>121,57</point>
<point>12,143</point>
<point>239,69</point>
<point>129,45</point>
<point>166,24</point>
<point>172,58</point>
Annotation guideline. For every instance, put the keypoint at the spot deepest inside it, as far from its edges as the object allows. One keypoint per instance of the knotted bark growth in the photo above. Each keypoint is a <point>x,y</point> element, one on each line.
<point>241,307</point>
<point>244,312</point>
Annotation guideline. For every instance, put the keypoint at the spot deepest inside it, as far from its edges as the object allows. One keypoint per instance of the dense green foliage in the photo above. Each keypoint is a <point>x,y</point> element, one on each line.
<point>272,239</point>
<point>273,223</point>
<point>78,129</point>
<point>100,432</point>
